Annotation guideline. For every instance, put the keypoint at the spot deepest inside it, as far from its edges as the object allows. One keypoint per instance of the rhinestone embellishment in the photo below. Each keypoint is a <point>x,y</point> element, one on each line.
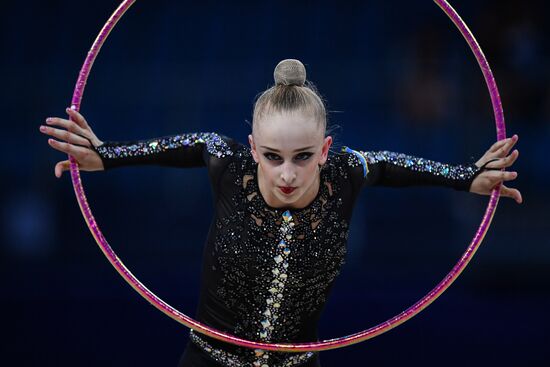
<point>455,172</point>
<point>279,272</point>
<point>215,145</point>
<point>262,357</point>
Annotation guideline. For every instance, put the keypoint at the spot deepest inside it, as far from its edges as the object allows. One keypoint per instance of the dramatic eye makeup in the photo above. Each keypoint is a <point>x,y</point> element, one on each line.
<point>272,156</point>
<point>303,156</point>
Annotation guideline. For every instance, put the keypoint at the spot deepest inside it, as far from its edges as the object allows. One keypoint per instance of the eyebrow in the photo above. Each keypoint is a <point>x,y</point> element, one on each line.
<point>278,151</point>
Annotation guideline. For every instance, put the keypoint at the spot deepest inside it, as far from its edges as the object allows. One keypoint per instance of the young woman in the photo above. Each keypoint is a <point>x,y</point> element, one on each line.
<point>282,211</point>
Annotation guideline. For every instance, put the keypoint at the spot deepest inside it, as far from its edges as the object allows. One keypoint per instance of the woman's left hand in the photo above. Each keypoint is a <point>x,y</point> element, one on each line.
<point>487,180</point>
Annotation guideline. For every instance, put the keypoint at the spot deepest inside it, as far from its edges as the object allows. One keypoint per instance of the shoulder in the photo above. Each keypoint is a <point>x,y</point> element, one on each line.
<point>217,145</point>
<point>355,160</point>
<point>222,152</point>
<point>341,163</point>
<point>344,168</point>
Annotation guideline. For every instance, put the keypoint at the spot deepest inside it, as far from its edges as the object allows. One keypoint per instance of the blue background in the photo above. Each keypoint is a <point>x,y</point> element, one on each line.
<point>396,75</point>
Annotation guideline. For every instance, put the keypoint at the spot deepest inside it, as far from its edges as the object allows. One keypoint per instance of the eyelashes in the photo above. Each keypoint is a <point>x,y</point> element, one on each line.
<point>272,157</point>
<point>303,156</point>
<point>299,157</point>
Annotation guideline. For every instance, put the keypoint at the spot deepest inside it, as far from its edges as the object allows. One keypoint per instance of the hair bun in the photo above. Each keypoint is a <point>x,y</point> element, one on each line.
<point>290,72</point>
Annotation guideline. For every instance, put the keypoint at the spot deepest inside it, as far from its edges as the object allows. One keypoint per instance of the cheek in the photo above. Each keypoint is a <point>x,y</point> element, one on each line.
<point>309,171</point>
<point>270,172</point>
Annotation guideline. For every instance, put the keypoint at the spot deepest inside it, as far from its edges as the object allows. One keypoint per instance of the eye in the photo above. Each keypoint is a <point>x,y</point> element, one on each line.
<point>272,157</point>
<point>303,156</point>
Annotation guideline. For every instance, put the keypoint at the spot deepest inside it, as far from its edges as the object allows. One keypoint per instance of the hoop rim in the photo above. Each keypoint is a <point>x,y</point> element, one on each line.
<point>299,347</point>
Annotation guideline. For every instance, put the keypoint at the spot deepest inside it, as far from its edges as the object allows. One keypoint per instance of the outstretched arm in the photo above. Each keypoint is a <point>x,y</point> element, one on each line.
<point>78,140</point>
<point>180,150</point>
<point>384,168</point>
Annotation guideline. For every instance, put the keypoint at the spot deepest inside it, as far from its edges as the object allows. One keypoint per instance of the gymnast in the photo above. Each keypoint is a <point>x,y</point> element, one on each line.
<point>283,205</point>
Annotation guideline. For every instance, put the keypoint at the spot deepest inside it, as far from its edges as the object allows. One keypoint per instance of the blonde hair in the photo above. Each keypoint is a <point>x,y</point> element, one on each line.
<point>291,92</point>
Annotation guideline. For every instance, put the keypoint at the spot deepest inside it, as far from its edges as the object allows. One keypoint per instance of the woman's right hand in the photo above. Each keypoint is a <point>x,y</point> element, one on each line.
<point>77,139</point>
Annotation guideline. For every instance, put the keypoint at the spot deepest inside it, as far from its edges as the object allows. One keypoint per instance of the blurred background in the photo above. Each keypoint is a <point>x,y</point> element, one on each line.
<point>396,76</point>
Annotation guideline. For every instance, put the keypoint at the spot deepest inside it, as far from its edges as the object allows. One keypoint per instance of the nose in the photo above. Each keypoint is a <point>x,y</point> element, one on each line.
<point>288,174</point>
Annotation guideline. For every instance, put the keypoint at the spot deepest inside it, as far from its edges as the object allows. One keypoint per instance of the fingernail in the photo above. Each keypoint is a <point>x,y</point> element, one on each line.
<point>42,128</point>
<point>49,120</point>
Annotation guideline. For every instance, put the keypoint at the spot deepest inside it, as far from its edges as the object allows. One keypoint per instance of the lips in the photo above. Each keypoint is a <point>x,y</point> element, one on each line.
<point>287,190</point>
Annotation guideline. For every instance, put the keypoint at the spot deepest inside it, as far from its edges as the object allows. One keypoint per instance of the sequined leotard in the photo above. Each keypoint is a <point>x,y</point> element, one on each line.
<point>267,271</point>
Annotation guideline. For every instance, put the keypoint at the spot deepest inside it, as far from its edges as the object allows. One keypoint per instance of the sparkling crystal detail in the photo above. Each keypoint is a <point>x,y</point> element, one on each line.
<point>215,145</point>
<point>454,172</point>
<point>287,216</point>
<point>261,357</point>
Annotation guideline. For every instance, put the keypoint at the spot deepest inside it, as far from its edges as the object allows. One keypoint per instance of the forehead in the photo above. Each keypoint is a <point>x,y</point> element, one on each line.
<point>287,131</point>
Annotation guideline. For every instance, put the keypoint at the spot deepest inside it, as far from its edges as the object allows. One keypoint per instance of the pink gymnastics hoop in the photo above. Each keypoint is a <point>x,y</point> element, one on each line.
<point>300,347</point>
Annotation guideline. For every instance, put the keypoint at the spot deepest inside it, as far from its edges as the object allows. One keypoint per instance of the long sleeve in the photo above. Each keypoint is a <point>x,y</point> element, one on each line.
<point>182,150</point>
<point>384,168</point>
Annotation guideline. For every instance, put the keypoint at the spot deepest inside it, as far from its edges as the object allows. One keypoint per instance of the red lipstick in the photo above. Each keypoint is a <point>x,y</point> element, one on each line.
<point>287,190</point>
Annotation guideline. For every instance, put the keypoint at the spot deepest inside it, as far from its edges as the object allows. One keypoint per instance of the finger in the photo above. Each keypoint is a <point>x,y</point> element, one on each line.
<point>505,149</point>
<point>499,176</point>
<point>508,161</point>
<point>60,167</point>
<point>511,193</point>
<point>503,145</point>
<point>77,117</point>
<point>74,150</point>
<point>69,125</point>
<point>504,162</point>
<point>496,146</point>
<point>65,135</point>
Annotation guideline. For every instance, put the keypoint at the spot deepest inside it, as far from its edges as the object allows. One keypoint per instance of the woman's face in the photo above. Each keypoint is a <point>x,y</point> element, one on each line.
<point>288,148</point>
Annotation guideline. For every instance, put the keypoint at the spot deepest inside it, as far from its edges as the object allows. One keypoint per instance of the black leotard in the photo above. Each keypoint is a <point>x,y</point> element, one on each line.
<point>267,272</point>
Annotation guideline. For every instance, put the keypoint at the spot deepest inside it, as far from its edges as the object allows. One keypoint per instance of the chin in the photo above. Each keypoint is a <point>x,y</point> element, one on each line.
<point>290,199</point>
<point>286,199</point>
